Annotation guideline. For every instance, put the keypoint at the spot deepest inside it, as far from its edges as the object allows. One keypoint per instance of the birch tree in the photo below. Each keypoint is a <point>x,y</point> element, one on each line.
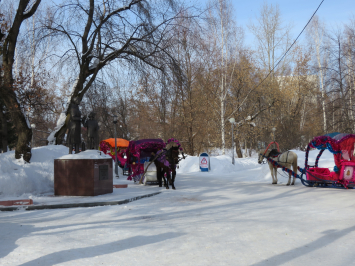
<point>188,100</point>
<point>350,54</point>
<point>271,35</point>
<point>316,30</point>
<point>225,42</point>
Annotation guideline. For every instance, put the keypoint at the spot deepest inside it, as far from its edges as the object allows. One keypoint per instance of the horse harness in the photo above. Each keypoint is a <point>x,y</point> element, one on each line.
<point>279,155</point>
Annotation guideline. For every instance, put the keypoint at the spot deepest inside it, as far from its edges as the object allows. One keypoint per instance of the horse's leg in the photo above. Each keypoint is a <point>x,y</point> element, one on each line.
<point>168,178</point>
<point>275,172</point>
<point>163,176</point>
<point>272,173</point>
<point>295,168</point>
<point>289,179</point>
<point>159,173</point>
<point>173,178</point>
<point>159,178</point>
<point>293,180</point>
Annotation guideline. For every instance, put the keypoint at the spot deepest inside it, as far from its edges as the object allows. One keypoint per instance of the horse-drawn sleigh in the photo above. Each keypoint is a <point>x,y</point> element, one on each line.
<point>341,145</point>
<point>150,160</point>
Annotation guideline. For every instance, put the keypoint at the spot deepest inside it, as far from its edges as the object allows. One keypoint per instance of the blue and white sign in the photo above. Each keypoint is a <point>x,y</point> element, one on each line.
<point>204,162</point>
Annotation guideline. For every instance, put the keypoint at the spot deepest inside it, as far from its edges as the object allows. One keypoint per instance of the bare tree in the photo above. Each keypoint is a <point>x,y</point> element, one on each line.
<point>272,37</point>
<point>226,39</point>
<point>338,78</point>
<point>188,115</point>
<point>25,10</point>
<point>133,33</point>
<point>350,54</point>
<point>316,31</point>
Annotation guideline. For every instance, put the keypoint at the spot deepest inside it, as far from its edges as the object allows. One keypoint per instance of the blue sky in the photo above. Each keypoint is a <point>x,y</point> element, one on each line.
<point>297,12</point>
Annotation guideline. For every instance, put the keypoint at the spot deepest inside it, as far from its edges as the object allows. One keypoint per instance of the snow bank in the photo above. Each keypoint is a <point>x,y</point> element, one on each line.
<point>36,178</point>
<point>88,154</point>
<point>248,169</point>
<point>219,164</point>
<point>229,152</point>
<point>18,177</point>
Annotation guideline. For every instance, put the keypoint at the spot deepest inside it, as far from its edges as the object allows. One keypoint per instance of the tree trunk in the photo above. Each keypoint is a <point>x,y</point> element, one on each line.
<point>7,93</point>
<point>222,98</point>
<point>24,132</point>
<point>350,79</point>
<point>3,130</point>
<point>78,91</point>
<point>191,141</point>
<point>237,148</point>
<point>246,149</point>
<point>317,36</point>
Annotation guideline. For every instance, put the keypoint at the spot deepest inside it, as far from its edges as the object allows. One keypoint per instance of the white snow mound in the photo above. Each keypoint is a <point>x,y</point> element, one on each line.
<point>37,178</point>
<point>88,154</point>
<point>18,177</point>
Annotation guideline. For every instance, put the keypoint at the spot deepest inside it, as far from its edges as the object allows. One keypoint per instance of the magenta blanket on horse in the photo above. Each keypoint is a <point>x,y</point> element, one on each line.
<point>162,158</point>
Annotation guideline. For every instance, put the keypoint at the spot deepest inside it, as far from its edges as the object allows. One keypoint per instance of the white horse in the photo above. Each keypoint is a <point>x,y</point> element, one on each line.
<point>285,159</point>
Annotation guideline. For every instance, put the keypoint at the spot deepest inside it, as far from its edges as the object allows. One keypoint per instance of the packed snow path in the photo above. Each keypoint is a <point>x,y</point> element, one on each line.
<point>206,221</point>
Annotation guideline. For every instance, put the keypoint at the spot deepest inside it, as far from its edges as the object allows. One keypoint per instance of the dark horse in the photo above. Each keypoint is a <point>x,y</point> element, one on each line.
<point>166,162</point>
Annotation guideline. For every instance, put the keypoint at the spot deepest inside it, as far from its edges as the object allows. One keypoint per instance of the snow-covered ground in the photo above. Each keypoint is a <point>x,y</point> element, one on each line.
<point>231,215</point>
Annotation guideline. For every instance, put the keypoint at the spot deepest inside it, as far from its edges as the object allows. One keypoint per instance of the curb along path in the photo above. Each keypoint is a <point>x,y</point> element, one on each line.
<point>75,205</point>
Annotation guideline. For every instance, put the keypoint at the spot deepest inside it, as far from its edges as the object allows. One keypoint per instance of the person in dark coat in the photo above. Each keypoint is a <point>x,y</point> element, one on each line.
<point>74,133</point>
<point>93,132</point>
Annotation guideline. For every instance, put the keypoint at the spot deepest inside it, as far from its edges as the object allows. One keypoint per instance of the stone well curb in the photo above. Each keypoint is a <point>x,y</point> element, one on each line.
<point>75,205</point>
